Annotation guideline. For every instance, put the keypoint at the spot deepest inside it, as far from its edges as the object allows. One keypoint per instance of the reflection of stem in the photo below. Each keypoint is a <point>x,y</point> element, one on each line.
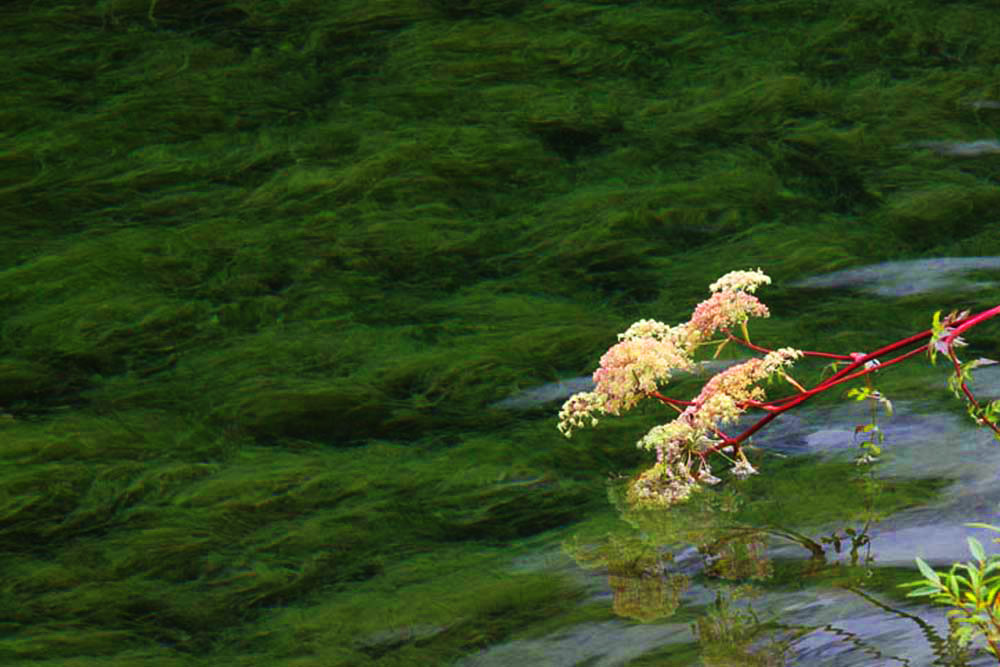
<point>818,553</point>
<point>817,550</point>
<point>933,638</point>
<point>859,540</point>
<point>845,635</point>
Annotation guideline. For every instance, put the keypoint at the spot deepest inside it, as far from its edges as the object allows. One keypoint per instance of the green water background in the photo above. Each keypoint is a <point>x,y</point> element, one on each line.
<point>265,264</point>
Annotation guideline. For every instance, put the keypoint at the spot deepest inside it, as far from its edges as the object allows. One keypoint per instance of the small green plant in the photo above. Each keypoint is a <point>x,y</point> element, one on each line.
<point>972,588</point>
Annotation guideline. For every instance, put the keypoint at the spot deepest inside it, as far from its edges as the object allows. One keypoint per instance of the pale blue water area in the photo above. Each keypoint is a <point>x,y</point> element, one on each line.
<point>817,626</point>
<point>895,279</point>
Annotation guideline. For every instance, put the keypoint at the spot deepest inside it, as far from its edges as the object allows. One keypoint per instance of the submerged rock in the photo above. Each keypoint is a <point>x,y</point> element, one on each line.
<point>905,278</point>
<point>960,148</point>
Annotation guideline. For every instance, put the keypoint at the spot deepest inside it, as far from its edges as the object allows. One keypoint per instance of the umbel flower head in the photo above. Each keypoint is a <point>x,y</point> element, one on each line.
<point>746,281</point>
<point>644,357</point>
<point>648,351</point>
<point>732,303</point>
<point>634,367</point>
<point>720,401</point>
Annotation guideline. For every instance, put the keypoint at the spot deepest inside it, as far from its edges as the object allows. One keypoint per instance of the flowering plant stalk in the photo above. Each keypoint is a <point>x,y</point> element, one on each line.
<point>649,351</point>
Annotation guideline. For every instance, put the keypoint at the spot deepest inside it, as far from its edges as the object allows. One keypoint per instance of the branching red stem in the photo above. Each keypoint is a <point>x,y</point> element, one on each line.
<point>777,406</point>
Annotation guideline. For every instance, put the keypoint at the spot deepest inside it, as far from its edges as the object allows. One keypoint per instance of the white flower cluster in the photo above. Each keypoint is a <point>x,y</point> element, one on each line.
<point>784,356</point>
<point>579,408</point>
<point>723,310</point>
<point>742,469</point>
<point>747,281</point>
<point>683,336</point>
<point>633,368</point>
<point>670,439</point>
<point>663,485</point>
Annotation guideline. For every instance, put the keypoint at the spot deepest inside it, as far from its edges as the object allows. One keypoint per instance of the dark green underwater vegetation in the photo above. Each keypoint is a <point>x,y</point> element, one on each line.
<point>265,264</point>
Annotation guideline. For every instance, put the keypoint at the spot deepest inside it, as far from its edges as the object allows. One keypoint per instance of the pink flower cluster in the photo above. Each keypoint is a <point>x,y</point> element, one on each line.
<point>644,358</point>
<point>722,400</point>
<point>725,309</point>
<point>632,368</point>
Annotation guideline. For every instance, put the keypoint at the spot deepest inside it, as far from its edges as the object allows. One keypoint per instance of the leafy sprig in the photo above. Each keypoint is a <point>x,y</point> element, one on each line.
<point>972,588</point>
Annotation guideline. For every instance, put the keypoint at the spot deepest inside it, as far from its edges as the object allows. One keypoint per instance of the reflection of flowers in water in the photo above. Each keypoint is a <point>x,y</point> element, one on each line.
<point>732,540</point>
<point>637,576</point>
<point>647,596</point>
<point>740,555</point>
<point>730,635</point>
<point>665,484</point>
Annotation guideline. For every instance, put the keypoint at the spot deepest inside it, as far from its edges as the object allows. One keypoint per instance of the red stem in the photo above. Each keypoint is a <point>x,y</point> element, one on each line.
<point>780,405</point>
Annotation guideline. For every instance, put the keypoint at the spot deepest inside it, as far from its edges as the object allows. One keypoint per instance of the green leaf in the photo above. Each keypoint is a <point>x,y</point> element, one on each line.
<point>859,394</point>
<point>962,635</point>
<point>888,406</point>
<point>974,584</point>
<point>921,592</point>
<point>953,585</point>
<point>983,525</point>
<point>959,578</point>
<point>977,549</point>
<point>936,333</point>
<point>926,570</point>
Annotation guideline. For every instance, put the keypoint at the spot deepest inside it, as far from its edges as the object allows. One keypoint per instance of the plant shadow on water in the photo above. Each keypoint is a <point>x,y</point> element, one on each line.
<point>713,558</point>
<point>715,552</point>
